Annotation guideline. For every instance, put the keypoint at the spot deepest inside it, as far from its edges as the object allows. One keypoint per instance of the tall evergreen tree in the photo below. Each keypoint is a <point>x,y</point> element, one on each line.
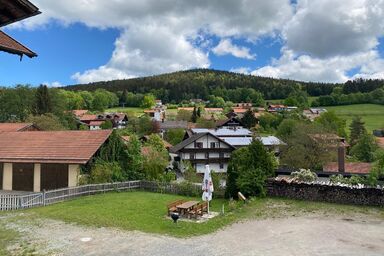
<point>357,130</point>
<point>194,115</point>
<point>249,120</point>
<point>43,100</point>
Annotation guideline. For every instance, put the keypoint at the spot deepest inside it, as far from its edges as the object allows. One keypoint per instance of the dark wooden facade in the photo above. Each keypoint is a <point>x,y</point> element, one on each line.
<point>22,177</point>
<point>1,175</point>
<point>54,176</point>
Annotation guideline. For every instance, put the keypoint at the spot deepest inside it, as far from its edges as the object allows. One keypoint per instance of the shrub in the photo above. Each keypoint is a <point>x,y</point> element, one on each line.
<point>103,172</point>
<point>304,175</point>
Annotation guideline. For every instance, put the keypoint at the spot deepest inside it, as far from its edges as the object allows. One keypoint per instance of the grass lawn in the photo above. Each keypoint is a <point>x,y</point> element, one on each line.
<point>7,237</point>
<point>135,111</point>
<point>372,115</point>
<point>145,211</point>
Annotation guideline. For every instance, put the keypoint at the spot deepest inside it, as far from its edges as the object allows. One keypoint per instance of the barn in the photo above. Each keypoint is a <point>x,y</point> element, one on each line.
<point>44,160</point>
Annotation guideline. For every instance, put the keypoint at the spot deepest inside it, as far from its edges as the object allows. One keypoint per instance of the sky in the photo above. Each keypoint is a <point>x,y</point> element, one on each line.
<point>98,40</point>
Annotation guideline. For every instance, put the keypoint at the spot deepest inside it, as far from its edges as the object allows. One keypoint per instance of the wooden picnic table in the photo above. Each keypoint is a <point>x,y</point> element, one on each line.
<point>185,207</point>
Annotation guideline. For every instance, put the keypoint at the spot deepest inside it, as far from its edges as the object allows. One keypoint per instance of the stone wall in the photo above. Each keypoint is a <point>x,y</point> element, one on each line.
<point>326,193</point>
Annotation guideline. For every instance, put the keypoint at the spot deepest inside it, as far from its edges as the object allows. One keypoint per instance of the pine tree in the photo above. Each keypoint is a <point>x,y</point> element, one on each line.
<point>357,130</point>
<point>249,120</point>
<point>194,115</point>
<point>43,100</point>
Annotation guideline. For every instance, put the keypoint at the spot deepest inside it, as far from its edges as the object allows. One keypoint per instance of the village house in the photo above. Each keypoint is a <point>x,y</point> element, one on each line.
<point>12,11</point>
<point>157,113</point>
<point>39,160</point>
<point>201,149</point>
<point>94,122</point>
<point>313,113</point>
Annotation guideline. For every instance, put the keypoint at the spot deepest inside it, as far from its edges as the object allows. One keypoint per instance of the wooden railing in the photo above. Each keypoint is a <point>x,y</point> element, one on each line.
<point>15,202</point>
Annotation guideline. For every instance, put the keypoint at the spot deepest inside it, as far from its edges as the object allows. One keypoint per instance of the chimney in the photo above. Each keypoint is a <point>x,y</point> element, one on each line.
<point>341,157</point>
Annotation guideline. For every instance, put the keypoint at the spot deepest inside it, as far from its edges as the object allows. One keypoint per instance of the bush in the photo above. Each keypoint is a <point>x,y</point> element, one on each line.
<point>353,180</point>
<point>304,175</point>
<point>103,172</point>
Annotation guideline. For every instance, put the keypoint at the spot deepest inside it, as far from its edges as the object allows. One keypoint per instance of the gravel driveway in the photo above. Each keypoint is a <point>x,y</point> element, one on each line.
<point>304,235</point>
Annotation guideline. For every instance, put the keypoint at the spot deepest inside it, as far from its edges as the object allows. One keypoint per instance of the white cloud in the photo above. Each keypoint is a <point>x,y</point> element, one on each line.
<point>241,70</point>
<point>159,36</point>
<point>226,47</point>
<point>53,84</point>
<point>326,28</point>
<point>307,68</point>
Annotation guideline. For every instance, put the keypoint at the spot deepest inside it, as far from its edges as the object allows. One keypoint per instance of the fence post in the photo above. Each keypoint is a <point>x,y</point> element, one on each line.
<point>44,197</point>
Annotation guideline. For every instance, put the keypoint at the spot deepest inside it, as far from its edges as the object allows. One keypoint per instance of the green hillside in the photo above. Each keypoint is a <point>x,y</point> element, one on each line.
<point>372,115</point>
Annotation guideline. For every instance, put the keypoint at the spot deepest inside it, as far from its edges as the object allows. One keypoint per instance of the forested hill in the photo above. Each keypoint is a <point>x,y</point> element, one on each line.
<point>200,83</point>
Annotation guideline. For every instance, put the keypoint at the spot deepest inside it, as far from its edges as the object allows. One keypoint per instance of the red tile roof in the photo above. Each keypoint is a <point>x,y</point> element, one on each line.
<point>85,118</point>
<point>14,127</point>
<point>10,45</point>
<point>79,112</point>
<point>353,168</point>
<point>72,147</point>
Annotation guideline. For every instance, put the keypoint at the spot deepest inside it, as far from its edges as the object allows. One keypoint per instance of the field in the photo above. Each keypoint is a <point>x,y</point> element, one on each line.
<point>372,115</point>
<point>134,111</point>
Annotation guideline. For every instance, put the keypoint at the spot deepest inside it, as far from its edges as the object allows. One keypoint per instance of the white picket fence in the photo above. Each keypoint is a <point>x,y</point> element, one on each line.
<point>16,201</point>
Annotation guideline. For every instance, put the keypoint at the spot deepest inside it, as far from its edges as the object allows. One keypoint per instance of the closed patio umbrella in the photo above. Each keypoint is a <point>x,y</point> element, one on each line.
<point>207,186</point>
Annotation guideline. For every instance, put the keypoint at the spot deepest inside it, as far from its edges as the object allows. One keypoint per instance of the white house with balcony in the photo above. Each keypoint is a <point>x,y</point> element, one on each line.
<point>204,148</point>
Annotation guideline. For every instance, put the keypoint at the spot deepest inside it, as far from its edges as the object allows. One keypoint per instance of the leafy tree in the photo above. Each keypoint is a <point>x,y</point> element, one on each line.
<point>148,101</point>
<point>249,120</point>
<point>332,123</point>
<point>133,169</point>
<point>47,122</point>
<point>270,121</point>
<point>357,130</point>
<point>103,172</point>
<point>154,163</point>
<point>286,128</point>
<point>174,136</point>
<point>248,170</point>
<point>43,100</point>
<point>106,125</point>
<point>297,98</point>
<point>303,150</point>
<point>16,104</point>
<point>205,123</point>
<point>365,148</point>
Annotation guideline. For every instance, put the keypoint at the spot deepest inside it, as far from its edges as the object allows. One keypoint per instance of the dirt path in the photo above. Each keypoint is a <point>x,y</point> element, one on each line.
<point>281,236</point>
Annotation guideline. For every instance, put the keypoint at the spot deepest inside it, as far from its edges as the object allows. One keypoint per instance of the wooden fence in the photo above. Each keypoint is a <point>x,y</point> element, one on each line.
<point>15,202</point>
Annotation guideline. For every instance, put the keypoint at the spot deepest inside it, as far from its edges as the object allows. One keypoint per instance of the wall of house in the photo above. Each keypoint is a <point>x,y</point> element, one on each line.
<point>206,140</point>
<point>7,177</point>
<point>73,175</point>
<point>326,193</point>
<point>215,167</point>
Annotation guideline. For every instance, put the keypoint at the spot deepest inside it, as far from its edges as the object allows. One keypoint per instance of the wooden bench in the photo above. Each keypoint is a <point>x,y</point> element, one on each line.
<point>172,207</point>
<point>198,210</point>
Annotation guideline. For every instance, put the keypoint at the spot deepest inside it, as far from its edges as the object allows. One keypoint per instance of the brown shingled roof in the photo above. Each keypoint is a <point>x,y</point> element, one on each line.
<point>14,127</point>
<point>10,45</point>
<point>351,168</point>
<point>72,147</point>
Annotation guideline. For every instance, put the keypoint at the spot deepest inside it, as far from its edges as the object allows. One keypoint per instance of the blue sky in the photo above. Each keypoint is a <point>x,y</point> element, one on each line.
<point>122,39</point>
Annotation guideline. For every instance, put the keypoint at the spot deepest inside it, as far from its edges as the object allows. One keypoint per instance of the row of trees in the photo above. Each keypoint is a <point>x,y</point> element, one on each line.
<point>338,98</point>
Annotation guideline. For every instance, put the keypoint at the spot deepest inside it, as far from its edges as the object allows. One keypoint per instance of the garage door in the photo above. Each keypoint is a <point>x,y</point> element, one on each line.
<point>22,179</point>
<point>54,176</point>
<point>1,175</point>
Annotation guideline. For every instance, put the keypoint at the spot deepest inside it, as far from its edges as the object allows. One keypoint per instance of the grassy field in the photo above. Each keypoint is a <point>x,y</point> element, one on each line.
<point>281,101</point>
<point>146,212</point>
<point>372,115</point>
<point>134,111</point>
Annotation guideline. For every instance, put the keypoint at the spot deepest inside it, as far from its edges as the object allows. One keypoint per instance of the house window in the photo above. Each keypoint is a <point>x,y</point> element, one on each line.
<point>221,155</point>
<point>221,166</point>
<point>214,145</point>
<point>207,155</point>
<point>192,156</point>
<point>198,144</point>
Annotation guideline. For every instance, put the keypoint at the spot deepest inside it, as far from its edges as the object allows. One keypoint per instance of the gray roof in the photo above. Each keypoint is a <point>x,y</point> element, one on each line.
<point>193,138</point>
<point>238,141</point>
<point>225,131</point>
<point>271,141</point>
<point>173,125</point>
